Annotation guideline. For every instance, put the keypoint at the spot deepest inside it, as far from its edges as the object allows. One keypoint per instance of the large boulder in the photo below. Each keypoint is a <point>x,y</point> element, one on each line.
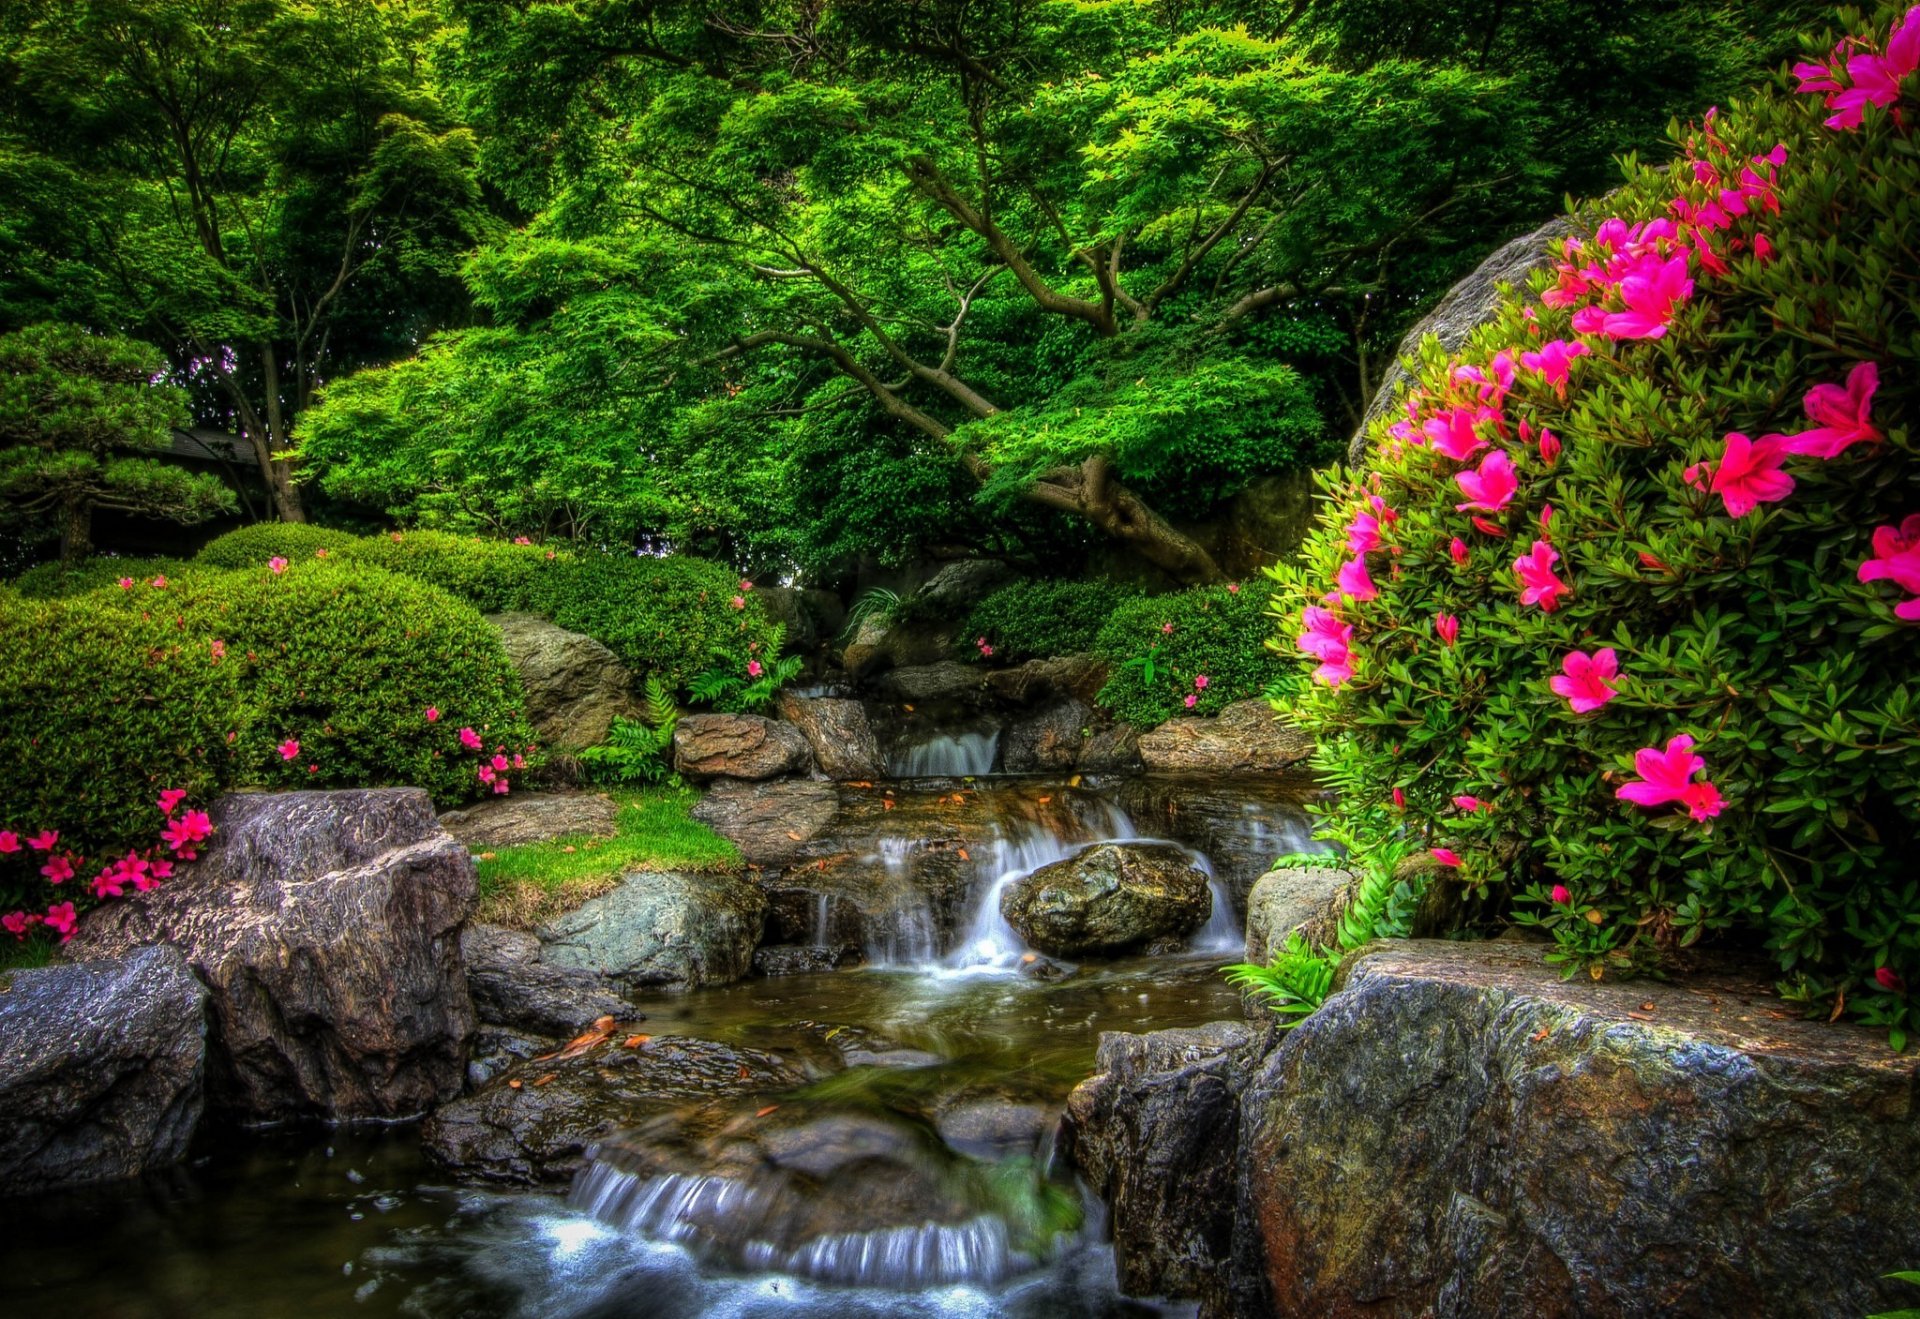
<point>1113,750</point>
<point>661,929</point>
<point>326,926</point>
<point>513,986</point>
<point>1048,739</point>
<point>1078,676</point>
<point>1243,738</point>
<point>959,586</point>
<point>738,746</point>
<point>843,743</point>
<point>768,822</point>
<point>531,817</point>
<point>947,680</point>
<point>101,1069</point>
<point>1155,1131</point>
<point>1459,1132</point>
<point>1288,899</point>
<point>1109,898</point>
<point>1241,821</point>
<point>575,686</point>
<point>1467,306</point>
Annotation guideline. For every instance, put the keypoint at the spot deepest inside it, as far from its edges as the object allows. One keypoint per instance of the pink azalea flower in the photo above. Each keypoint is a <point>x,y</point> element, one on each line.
<point>1561,896</point>
<point>159,583</point>
<point>745,585</point>
<point>1487,528</point>
<point>433,714</point>
<point>1538,584</point>
<point>320,554</point>
<point>1554,361</point>
<point>126,583</point>
<point>1489,487</point>
<point>470,739</point>
<point>1328,640</point>
<point>1166,629</point>
<point>1875,78</point>
<point>61,917</point>
<point>17,923</point>
<point>501,787</point>
<point>1546,519</point>
<point>171,799</point>
<point>44,840</point>
<point>1549,447</point>
<point>1667,775</point>
<point>1885,976</point>
<point>523,540</point>
<point>1399,798</point>
<point>9,841</point>
<point>1468,803</point>
<point>484,773</point>
<point>1842,416</point>
<point>1586,681</point>
<point>58,870</point>
<point>753,668</point>
<point>986,651</point>
<point>1191,700</point>
<point>1353,581</point>
<point>1233,588</point>
<point>1448,627</point>
<point>739,602</point>
<point>1896,559</point>
<point>1702,800</point>
<point>1200,682</point>
<point>218,650</point>
<point>1651,290</point>
<point>1446,856</point>
<point>107,884</point>
<point>277,564</point>
<point>1452,433</point>
<point>1458,549</point>
<point>289,749</point>
<point>1363,533</point>
<point>1748,473</point>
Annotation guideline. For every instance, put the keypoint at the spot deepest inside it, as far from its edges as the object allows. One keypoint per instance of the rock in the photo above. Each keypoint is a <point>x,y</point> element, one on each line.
<point>995,1127</point>
<point>495,1050</point>
<point>959,586</point>
<point>575,686</point>
<point>949,680</point>
<point>1459,1132</point>
<point>738,746</point>
<point>1155,1130</point>
<point>1078,676</point>
<point>511,986</point>
<point>1047,740</point>
<point>101,1069</point>
<point>1109,898</point>
<point>843,743</point>
<point>802,614</point>
<point>531,817</point>
<point>662,929</point>
<point>1241,821</point>
<point>1284,900</point>
<point>1112,750</point>
<point>1467,306</point>
<point>1245,737</point>
<point>327,927</point>
<point>538,1131</point>
<point>800,959</point>
<point>1267,521</point>
<point>768,822</point>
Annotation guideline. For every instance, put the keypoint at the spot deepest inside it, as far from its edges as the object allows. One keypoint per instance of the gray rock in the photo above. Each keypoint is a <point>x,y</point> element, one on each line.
<point>1245,737</point>
<point>1283,901</point>
<point>512,986</point>
<point>1112,750</point>
<point>1267,522</point>
<point>1467,306</point>
<point>575,686</point>
<point>531,817</point>
<point>948,680</point>
<point>769,822</point>
<point>495,1050</point>
<point>960,585</point>
<point>1241,821</point>
<point>843,743</point>
<point>738,746</point>
<point>789,959</point>
<point>662,929</point>
<point>101,1069</point>
<point>327,927</point>
<point>1108,899</point>
<point>1078,676</point>
<point>1049,739</point>
<point>1459,1132</point>
<point>1155,1130</point>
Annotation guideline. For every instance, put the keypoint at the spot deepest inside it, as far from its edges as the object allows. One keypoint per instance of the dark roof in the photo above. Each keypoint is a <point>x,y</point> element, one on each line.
<point>205,444</point>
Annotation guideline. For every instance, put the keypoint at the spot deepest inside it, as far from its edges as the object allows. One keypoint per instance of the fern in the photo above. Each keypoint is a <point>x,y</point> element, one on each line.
<point>1295,982</point>
<point>635,750</point>
<point>879,604</point>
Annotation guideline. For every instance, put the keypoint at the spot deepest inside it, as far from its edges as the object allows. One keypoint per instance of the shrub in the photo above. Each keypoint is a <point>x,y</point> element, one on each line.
<point>1035,618</point>
<point>1209,643</point>
<point>1620,661</point>
<point>252,546</point>
<point>491,575</point>
<point>52,581</point>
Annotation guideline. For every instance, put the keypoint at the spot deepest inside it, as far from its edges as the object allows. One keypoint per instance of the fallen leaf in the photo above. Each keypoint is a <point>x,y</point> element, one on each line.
<point>486,856</point>
<point>745,1075</point>
<point>1045,800</point>
<point>1839,1005</point>
<point>1640,1016</point>
<point>635,1041</point>
<point>964,856</point>
<point>861,783</point>
<point>793,834</point>
<point>579,1044</point>
<point>888,803</point>
<point>1542,1034</point>
<point>1649,1006</point>
<point>544,1079</point>
<point>569,848</point>
<point>768,1109</point>
<point>1782,1016</point>
<point>514,1084</point>
<point>907,708</point>
<point>1074,782</point>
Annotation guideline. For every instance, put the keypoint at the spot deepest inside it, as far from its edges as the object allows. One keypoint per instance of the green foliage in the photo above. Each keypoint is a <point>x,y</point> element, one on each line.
<point>1752,634</point>
<point>252,546</point>
<point>1036,617</point>
<point>635,750</point>
<point>1295,982</point>
<point>876,605</point>
<point>1216,632</point>
<point>736,685</point>
<point>491,575</point>
<point>53,581</point>
<point>1912,1276</point>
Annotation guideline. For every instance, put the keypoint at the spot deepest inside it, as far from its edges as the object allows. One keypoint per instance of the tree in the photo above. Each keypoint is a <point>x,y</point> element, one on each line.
<point>268,189</point>
<point>76,411</point>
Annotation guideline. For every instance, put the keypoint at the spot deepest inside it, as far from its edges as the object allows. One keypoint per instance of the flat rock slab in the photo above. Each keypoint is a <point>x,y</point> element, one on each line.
<point>1245,737</point>
<point>513,987</point>
<point>768,822</point>
<point>533,817</point>
<point>662,929</point>
<point>1458,1132</point>
<point>101,1069</point>
<point>738,746</point>
<point>949,680</point>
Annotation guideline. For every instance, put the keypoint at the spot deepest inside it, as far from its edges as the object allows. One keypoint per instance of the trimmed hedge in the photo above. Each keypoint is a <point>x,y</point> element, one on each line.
<point>53,581</point>
<point>1218,633</point>
<point>252,546</point>
<point>1037,619</point>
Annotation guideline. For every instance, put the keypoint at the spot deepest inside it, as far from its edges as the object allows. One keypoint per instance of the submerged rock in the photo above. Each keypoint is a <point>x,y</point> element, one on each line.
<point>575,686</point>
<point>531,817</point>
<point>1109,898</point>
<point>1246,737</point>
<point>326,926</point>
<point>660,928</point>
<point>843,743</point>
<point>801,959</point>
<point>512,986</point>
<point>101,1069</point>
<point>738,746</point>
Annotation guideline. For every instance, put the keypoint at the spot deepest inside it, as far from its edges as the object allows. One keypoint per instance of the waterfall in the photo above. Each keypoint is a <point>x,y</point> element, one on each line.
<point>904,934</point>
<point>988,941</point>
<point>947,755</point>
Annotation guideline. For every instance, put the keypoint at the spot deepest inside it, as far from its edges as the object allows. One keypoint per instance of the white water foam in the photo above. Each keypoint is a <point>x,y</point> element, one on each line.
<point>948,755</point>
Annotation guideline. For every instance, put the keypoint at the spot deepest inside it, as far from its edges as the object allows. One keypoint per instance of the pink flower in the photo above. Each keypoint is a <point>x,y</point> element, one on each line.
<point>218,650</point>
<point>753,668</point>
<point>1546,519</point>
<point>1876,78</point>
<point>1468,803</point>
<point>192,827</point>
<point>1549,447</point>
<point>1353,581</point>
<point>501,787</point>
<point>1447,626</point>
<point>485,773</point>
<point>1487,528</point>
<point>433,714</point>
<point>1537,580</point>
<point>1233,588</point>
<point>107,884</point>
<point>61,917</point>
<point>1452,433</point>
<point>500,762</point>
<point>1327,639</point>
<point>126,583</point>
<point>44,840</point>
<point>986,651</point>
<point>1587,680</point>
<point>1363,533</point>
<point>159,583</point>
<point>17,923</point>
<point>1884,976</point>
<point>1561,896</point>
<point>1667,776</point>
<point>1554,361</point>
<point>523,540</point>
<point>1702,800</point>
<point>1748,473</point>
<point>745,585</point>
<point>277,564</point>
<point>170,799</point>
<point>1166,629</point>
<point>1842,416</point>
<point>739,602</point>
<point>470,739</point>
<point>1458,549</point>
<point>1399,798</point>
<point>1651,290</point>
<point>9,841</point>
<point>58,870</point>
<point>1489,487</point>
<point>1446,856</point>
<point>1200,682</point>
<point>1897,559</point>
<point>1762,248</point>
<point>289,749</point>
<point>320,554</point>
<point>1191,700</point>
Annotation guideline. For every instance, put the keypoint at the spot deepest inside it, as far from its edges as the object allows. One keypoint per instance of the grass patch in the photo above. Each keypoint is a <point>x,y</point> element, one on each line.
<point>526,886</point>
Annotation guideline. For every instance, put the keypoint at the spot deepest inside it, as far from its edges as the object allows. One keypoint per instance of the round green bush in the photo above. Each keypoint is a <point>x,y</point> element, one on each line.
<point>253,546</point>
<point>1034,618</point>
<point>1724,498</point>
<point>1162,646</point>
<point>494,576</point>
<point>50,581</point>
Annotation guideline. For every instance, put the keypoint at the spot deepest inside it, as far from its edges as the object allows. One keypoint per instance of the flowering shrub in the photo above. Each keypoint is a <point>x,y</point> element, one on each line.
<point>245,547</point>
<point>1624,612</point>
<point>1036,619</point>
<point>45,885</point>
<point>51,581</point>
<point>1191,652</point>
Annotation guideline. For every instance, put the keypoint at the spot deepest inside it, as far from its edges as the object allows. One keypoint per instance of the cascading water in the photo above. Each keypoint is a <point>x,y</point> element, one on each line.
<point>967,754</point>
<point>902,936</point>
<point>990,943</point>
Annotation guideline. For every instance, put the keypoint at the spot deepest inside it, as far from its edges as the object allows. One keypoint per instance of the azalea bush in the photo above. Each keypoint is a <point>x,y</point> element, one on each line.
<point>53,580</point>
<point>1189,652</point>
<point>1621,618</point>
<point>1035,618</point>
<point>249,546</point>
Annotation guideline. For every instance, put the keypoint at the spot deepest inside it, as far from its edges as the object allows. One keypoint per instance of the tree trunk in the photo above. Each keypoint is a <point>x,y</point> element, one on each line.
<point>1089,491</point>
<point>76,531</point>
<point>278,472</point>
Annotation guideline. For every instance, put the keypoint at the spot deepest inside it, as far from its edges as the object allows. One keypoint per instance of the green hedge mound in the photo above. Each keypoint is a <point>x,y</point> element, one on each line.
<point>1210,643</point>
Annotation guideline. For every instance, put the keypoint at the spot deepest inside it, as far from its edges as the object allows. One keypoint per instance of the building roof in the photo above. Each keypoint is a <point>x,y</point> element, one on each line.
<point>210,445</point>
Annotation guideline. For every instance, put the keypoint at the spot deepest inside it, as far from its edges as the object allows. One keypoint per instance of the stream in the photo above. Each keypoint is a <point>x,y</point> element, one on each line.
<point>912,1171</point>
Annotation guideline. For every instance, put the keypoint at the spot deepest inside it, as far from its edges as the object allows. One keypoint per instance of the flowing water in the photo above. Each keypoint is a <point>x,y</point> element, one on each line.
<point>914,1174</point>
